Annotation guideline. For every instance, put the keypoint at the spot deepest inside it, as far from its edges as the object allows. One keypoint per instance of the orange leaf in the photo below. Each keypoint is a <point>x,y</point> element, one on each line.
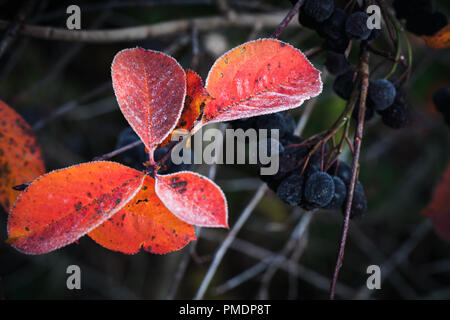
<point>63,205</point>
<point>196,98</point>
<point>20,156</point>
<point>440,40</point>
<point>438,209</point>
<point>144,222</point>
<point>193,198</point>
<point>150,88</point>
<point>259,77</point>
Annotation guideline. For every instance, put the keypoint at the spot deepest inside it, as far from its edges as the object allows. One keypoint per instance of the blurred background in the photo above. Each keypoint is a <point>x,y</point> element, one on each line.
<point>63,89</point>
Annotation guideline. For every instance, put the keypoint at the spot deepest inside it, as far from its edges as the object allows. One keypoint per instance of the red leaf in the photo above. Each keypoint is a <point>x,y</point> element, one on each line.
<point>20,156</point>
<point>150,88</point>
<point>440,40</point>
<point>438,209</point>
<point>196,98</point>
<point>63,205</point>
<point>193,198</point>
<point>144,222</point>
<point>259,77</point>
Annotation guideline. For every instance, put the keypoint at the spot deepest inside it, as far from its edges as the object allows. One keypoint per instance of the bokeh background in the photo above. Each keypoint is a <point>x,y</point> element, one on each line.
<point>63,89</point>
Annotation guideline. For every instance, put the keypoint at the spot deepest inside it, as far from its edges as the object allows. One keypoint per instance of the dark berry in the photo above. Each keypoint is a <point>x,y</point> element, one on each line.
<point>356,26</point>
<point>340,194</point>
<point>313,166</point>
<point>290,190</point>
<point>343,84</point>
<point>381,94</point>
<point>289,161</point>
<point>334,27</point>
<point>133,157</point>
<point>244,123</point>
<point>342,170</point>
<point>290,138</point>
<point>319,189</point>
<point>337,63</point>
<point>266,147</point>
<point>396,116</point>
<point>368,115</point>
<point>290,123</point>
<point>337,45</point>
<point>307,21</point>
<point>272,121</point>
<point>374,35</point>
<point>319,10</point>
<point>400,94</point>
<point>359,203</point>
<point>441,99</point>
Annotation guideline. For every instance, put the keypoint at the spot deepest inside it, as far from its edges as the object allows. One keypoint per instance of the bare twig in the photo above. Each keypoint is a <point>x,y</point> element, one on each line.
<point>295,258</point>
<point>371,250</point>
<point>283,25</point>
<point>398,257</point>
<point>148,31</point>
<point>66,107</point>
<point>229,240</point>
<point>225,8</point>
<point>118,151</point>
<point>195,48</point>
<point>308,275</point>
<point>289,246</point>
<point>364,74</point>
<point>192,249</point>
<point>14,27</point>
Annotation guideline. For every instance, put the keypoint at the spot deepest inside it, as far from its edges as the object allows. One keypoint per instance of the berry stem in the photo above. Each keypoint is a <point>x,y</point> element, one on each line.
<point>287,19</point>
<point>364,75</point>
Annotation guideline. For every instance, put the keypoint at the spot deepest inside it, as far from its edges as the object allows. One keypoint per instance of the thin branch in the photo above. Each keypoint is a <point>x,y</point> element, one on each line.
<point>229,240</point>
<point>118,151</point>
<point>225,8</point>
<point>15,26</point>
<point>295,258</point>
<point>400,255</point>
<point>148,31</point>
<point>68,106</point>
<point>364,74</point>
<point>192,249</point>
<point>195,48</point>
<point>308,275</point>
<point>283,25</point>
<point>244,276</point>
<point>297,234</point>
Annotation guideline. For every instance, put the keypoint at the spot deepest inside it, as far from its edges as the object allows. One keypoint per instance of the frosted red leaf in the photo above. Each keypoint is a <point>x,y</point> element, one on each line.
<point>63,205</point>
<point>150,88</point>
<point>259,77</point>
<point>144,222</point>
<point>193,198</point>
<point>20,155</point>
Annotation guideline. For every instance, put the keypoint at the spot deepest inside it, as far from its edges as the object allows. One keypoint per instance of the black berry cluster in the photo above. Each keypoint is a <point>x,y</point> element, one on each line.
<point>420,17</point>
<point>441,99</point>
<point>303,185</point>
<point>337,28</point>
<point>335,25</point>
